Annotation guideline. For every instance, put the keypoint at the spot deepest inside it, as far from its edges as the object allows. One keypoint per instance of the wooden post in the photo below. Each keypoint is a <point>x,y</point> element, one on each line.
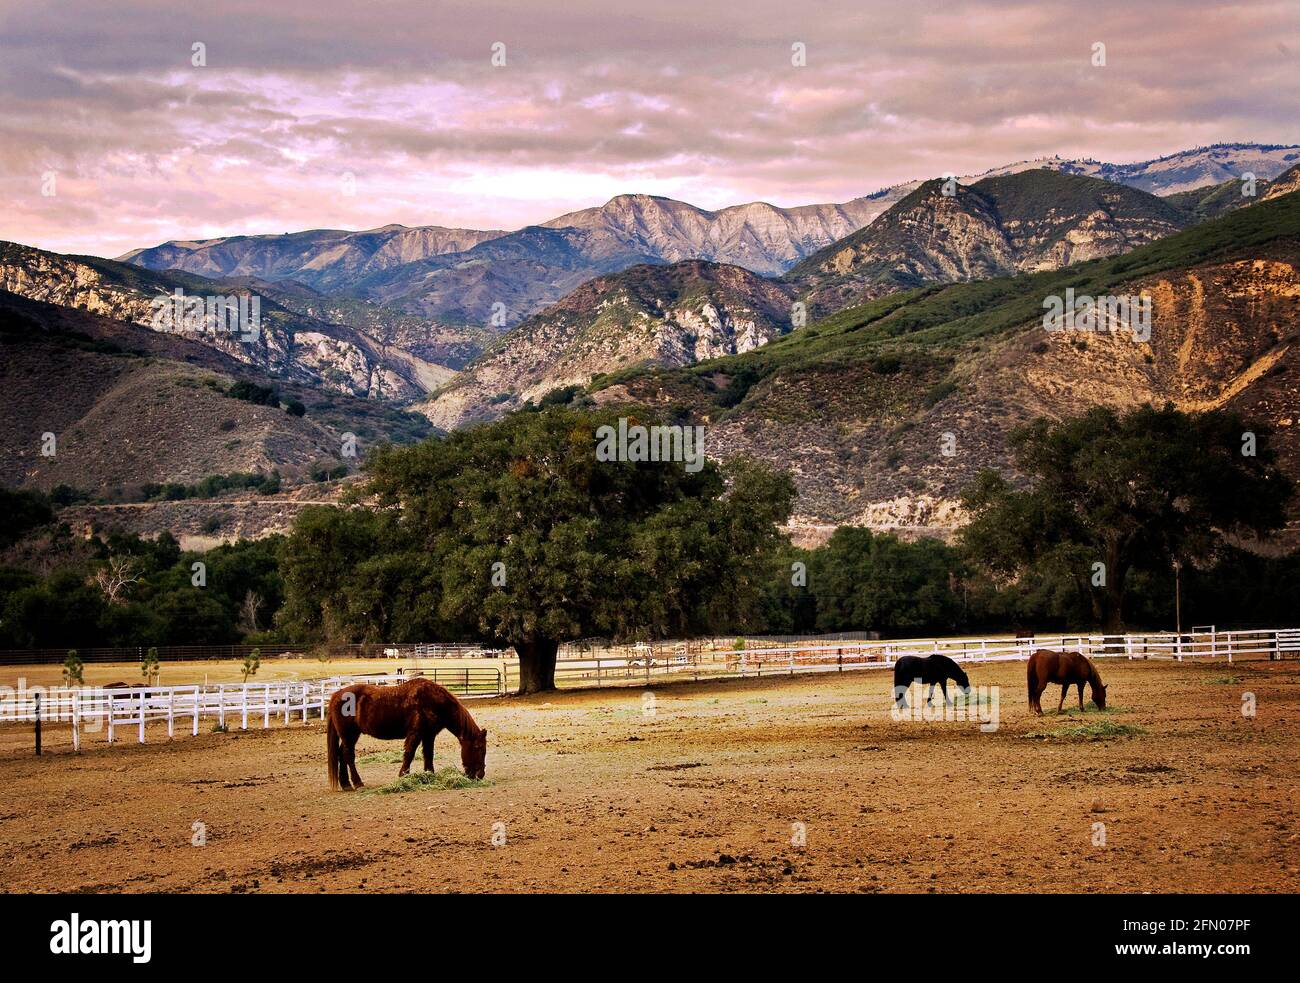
<point>171,714</point>
<point>266,705</point>
<point>195,731</point>
<point>286,703</point>
<point>76,720</point>
<point>108,709</point>
<point>305,688</point>
<point>38,725</point>
<point>141,716</point>
<point>245,711</point>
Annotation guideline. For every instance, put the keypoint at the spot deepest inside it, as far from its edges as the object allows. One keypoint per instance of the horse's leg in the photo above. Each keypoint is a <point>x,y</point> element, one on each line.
<point>427,742</point>
<point>350,752</point>
<point>943,685</point>
<point>1065,688</point>
<point>1081,697</point>
<point>408,751</point>
<point>342,763</point>
<point>929,700</point>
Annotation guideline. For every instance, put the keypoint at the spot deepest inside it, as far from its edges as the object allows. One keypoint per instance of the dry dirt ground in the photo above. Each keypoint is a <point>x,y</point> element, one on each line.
<point>599,791</point>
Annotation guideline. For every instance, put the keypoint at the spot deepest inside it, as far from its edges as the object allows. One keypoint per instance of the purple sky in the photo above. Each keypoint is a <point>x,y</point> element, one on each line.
<point>696,100</point>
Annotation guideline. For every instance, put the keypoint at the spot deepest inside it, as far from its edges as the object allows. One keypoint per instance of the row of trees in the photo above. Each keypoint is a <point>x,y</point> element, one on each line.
<point>123,590</point>
<point>515,533</point>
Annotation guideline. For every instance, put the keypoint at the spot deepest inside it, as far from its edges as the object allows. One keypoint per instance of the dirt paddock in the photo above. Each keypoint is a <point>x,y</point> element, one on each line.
<point>704,790</point>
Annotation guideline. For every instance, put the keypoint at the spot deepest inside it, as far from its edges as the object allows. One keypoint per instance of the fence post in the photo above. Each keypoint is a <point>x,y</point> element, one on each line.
<point>266,705</point>
<point>194,732</point>
<point>245,713</point>
<point>108,707</point>
<point>171,714</point>
<point>142,703</point>
<point>76,720</point>
<point>287,701</point>
<point>38,725</point>
<point>305,689</point>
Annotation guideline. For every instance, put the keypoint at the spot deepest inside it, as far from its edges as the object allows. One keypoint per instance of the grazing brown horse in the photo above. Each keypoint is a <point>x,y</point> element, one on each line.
<point>415,710</point>
<point>1068,669</point>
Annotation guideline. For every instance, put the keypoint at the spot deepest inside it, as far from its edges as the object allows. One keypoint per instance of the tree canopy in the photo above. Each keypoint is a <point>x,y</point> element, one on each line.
<point>517,533</point>
<point>1110,494</point>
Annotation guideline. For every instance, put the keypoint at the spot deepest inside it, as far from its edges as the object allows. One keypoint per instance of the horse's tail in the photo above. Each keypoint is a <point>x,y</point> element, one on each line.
<point>332,743</point>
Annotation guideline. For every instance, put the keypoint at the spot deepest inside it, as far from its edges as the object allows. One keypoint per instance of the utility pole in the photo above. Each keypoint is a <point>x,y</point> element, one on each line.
<point>1178,605</point>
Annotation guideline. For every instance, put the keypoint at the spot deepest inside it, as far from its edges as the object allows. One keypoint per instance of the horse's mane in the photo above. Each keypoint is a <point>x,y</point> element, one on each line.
<point>1094,676</point>
<point>464,724</point>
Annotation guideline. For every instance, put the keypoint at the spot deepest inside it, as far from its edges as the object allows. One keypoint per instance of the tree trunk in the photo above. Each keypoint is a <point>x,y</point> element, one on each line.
<point>1113,607</point>
<point>537,665</point>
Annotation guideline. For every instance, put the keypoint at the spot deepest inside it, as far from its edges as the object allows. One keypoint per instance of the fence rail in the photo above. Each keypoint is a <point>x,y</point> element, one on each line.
<point>130,709</point>
<point>259,704</point>
<point>676,660</point>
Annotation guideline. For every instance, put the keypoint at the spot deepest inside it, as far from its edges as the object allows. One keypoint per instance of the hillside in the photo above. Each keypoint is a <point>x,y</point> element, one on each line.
<point>130,406</point>
<point>1176,173</point>
<point>647,315</point>
<point>1030,220</point>
<point>326,259</point>
<point>287,346</point>
<point>856,405</point>
<point>760,237</point>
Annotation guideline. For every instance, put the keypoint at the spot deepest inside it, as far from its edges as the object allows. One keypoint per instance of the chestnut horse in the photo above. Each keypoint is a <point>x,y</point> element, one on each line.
<point>415,710</point>
<point>1068,669</point>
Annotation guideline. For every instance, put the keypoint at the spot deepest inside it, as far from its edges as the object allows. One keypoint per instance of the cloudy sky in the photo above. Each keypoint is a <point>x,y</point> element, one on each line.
<point>358,114</point>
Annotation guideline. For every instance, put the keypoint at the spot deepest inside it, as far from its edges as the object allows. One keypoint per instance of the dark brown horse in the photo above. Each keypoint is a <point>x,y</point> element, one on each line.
<point>415,710</point>
<point>1068,669</point>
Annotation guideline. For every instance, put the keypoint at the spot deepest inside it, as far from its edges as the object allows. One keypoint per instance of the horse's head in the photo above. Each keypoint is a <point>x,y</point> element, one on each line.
<point>961,679</point>
<point>1099,696</point>
<point>473,754</point>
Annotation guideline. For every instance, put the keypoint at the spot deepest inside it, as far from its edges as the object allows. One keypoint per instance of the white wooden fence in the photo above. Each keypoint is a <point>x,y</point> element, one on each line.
<point>127,711</point>
<point>670,660</point>
<point>123,711</point>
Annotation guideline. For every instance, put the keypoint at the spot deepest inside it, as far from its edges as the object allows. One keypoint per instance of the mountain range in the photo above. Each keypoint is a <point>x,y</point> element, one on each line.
<point>459,277</point>
<point>838,341</point>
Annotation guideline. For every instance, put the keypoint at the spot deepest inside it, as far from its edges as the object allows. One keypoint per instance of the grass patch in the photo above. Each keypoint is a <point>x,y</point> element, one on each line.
<point>1224,681</point>
<point>448,779</point>
<point>1098,730</point>
<point>381,758</point>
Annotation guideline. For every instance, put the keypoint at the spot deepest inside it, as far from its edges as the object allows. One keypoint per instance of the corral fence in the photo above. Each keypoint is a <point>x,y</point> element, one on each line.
<point>127,710</point>
<point>131,708</point>
<point>630,665</point>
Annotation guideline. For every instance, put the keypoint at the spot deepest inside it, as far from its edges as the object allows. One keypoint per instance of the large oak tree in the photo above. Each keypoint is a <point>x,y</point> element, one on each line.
<point>517,533</point>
